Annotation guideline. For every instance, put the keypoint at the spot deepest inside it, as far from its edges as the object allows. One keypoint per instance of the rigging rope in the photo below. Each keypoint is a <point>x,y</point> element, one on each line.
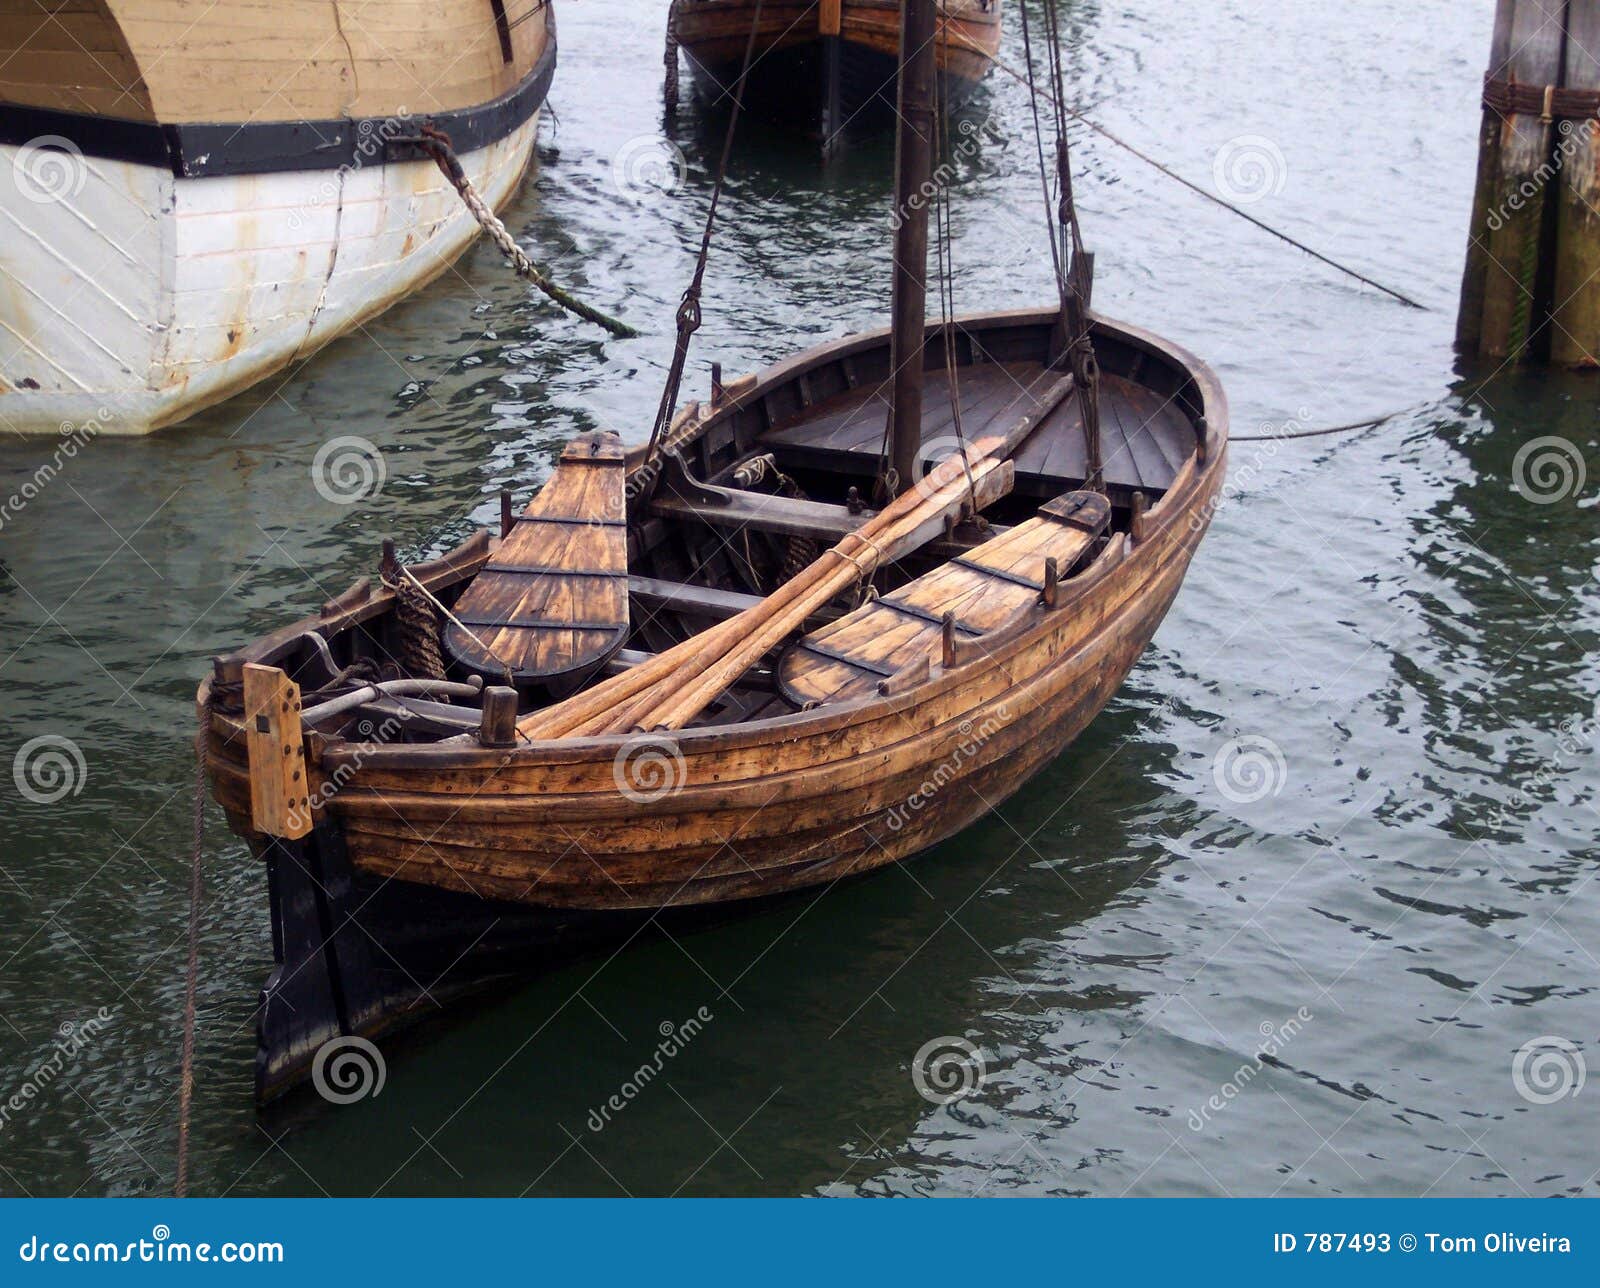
<point>1211,196</point>
<point>1074,266</point>
<point>689,315</point>
<point>436,143</point>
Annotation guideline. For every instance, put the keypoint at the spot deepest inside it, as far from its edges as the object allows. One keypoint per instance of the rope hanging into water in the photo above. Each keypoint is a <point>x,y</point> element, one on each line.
<point>1214,198</point>
<point>180,1188</point>
<point>436,143</point>
<point>689,315</point>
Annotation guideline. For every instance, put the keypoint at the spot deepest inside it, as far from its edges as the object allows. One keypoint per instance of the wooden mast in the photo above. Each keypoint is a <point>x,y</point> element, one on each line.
<point>913,167</point>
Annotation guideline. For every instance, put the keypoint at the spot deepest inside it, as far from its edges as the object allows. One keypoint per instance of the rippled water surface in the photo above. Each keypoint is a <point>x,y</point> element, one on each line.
<point>1399,638</point>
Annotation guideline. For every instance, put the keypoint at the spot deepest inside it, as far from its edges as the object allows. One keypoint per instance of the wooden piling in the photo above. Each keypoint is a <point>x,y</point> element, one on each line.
<point>1504,302</point>
<point>1575,313</point>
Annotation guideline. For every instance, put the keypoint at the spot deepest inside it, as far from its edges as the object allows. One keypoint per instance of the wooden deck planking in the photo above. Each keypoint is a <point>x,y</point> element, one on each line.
<point>1144,440</point>
<point>573,611</point>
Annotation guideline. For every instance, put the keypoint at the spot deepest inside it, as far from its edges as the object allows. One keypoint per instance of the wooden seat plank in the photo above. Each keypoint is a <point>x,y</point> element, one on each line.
<point>553,599</point>
<point>850,657</point>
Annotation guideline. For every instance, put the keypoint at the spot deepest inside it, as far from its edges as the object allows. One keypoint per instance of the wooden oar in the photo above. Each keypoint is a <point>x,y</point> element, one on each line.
<point>767,629</point>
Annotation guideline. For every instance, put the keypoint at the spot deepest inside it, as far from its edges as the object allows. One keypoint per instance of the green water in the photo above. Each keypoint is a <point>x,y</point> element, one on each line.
<point>1402,636</point>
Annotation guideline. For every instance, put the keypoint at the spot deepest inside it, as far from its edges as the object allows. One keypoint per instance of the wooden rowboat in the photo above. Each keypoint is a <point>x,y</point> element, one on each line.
<point>735,663</point>
<point>196,195</point>
<point>830,67</point>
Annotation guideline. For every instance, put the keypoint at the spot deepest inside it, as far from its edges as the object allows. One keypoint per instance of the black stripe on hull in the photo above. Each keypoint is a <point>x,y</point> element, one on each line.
<point>208,150</point>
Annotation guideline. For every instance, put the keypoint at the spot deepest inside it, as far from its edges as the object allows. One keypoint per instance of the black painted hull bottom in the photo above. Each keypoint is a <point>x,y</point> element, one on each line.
<point>791,87</point>
<point>361,956</point>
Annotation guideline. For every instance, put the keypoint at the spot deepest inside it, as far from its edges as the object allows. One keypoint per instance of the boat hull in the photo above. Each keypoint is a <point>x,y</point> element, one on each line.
<point>164,252</point>
<point>841,84</point>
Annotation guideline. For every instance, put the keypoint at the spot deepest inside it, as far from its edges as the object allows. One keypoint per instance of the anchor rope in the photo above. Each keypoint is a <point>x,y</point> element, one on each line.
<point>436,143</point>
<point>180,1188</point>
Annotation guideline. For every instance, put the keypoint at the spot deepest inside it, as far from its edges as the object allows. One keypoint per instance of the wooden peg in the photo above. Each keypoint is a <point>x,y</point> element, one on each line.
<point>1052,582</point>
<point>947,625</point>
<point>1141,503</point>
<point>506,517</point>
<point>717,390</point>
<point>499,726</point>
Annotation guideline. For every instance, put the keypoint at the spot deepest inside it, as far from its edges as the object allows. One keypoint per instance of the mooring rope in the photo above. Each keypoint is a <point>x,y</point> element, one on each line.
<point>1215,199</point>
<point>436,143</point>
<point>180,1188</point>
<point>1331,429</point>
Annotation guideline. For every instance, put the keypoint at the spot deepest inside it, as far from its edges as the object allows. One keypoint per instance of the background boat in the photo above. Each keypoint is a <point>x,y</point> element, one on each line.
<point>196,195</point>
<point>828,68</point>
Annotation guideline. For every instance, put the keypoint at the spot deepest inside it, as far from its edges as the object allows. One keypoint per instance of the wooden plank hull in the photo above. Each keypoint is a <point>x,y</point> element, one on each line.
<point>164,252</point>
<point>798,50</point>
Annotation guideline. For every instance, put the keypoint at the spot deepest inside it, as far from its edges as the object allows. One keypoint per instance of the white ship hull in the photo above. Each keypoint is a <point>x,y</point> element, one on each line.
<point>170,236</point>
